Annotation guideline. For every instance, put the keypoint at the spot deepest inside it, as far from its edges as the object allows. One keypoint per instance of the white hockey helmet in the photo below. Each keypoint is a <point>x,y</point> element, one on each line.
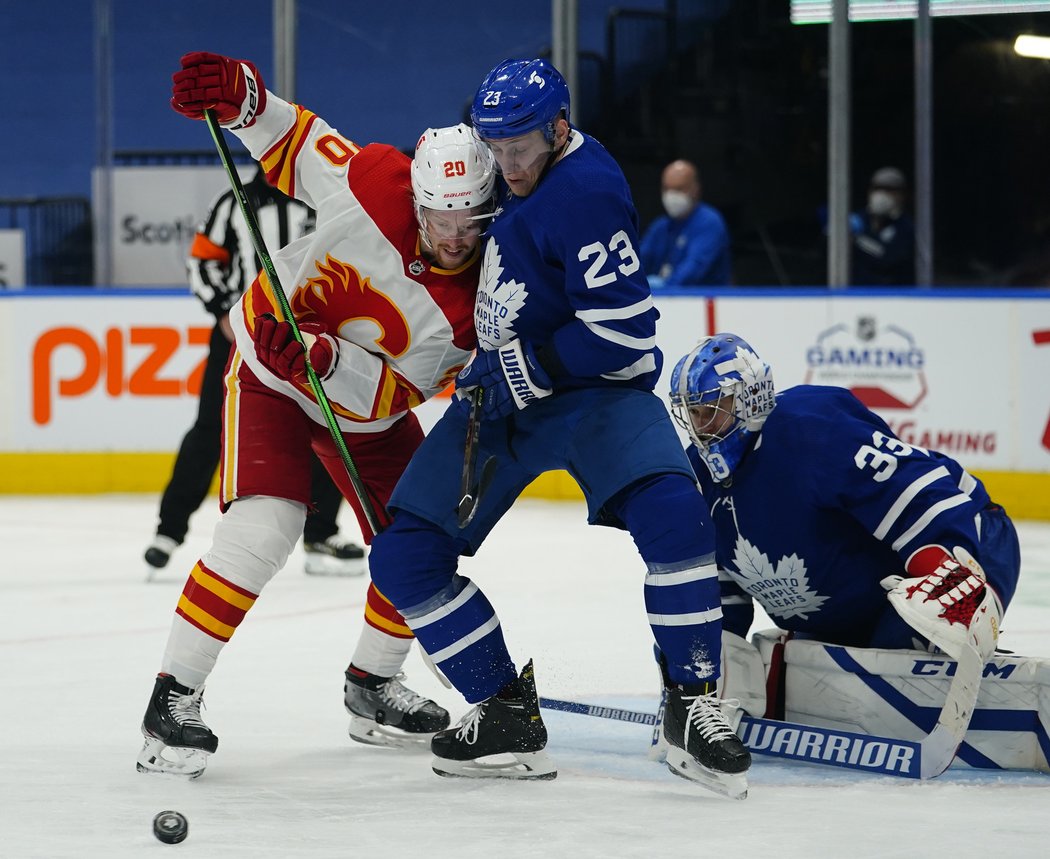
<point>452,171</point>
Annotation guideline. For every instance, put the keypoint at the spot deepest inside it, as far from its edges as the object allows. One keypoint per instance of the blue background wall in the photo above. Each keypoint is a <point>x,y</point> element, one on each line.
<point>377,71</point>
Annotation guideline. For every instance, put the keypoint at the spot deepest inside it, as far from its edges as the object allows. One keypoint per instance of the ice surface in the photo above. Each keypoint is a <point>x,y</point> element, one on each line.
<point>81,635</point>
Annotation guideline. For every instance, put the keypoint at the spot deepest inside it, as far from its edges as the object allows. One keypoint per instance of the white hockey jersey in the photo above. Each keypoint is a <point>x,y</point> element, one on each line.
<point>404,327</point>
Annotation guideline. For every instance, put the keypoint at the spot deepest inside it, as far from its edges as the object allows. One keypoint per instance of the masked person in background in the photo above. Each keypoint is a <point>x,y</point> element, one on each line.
<point>883,234</point>
<point>689,246</point>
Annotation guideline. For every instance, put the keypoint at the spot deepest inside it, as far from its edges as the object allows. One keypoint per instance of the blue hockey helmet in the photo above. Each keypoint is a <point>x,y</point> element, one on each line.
<point>721,394</point>
<point>519,96</point>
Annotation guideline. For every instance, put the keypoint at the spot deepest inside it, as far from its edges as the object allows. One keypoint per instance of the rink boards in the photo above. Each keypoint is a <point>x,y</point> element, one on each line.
<point>101,385</point>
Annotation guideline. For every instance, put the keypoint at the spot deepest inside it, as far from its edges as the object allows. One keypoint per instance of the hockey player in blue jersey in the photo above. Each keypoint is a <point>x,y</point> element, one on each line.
<point>566,364</point>
<point>819,510</point>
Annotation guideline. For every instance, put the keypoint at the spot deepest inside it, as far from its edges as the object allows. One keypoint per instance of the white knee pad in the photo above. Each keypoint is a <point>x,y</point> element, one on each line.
<point>254,538</point>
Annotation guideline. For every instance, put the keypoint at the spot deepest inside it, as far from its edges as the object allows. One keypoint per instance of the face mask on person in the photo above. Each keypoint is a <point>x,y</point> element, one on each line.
<point>676,203</point>
<point>882,204</point>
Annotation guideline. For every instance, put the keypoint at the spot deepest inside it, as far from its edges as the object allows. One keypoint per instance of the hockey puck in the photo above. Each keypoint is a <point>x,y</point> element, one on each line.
<point>170,827</point>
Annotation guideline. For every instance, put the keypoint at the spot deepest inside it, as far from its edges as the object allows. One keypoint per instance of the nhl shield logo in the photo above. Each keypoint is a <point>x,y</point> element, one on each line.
<point>417,267</point>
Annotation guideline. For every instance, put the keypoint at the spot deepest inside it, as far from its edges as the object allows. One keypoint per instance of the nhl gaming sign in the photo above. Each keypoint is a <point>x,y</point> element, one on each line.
<point>883,367</point>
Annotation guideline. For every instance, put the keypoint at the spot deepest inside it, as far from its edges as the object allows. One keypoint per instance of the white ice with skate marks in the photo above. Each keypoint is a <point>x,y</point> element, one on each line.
<point>81,635</point>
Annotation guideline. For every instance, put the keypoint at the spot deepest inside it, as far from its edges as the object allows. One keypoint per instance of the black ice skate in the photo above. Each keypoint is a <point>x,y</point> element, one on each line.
<point>385,712</point>
<point>159,552</point>
<point>701,746</point>
<point>502,737</point>
<point>334,557</point>
<point>177,740</point>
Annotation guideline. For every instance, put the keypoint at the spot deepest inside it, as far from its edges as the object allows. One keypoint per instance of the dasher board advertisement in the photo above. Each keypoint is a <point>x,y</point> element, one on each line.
<point>967,375</point>
<point>118,372</point>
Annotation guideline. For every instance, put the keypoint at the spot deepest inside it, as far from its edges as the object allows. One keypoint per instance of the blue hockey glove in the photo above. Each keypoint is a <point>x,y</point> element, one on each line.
<point>510,377</point>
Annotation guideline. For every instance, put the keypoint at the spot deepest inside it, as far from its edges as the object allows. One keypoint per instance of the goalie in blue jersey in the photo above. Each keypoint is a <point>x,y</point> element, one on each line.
<point>821,512</point>
<point>563,379</point>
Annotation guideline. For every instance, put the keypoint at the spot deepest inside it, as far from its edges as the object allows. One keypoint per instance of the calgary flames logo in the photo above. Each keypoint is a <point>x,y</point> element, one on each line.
<point>339,296</point>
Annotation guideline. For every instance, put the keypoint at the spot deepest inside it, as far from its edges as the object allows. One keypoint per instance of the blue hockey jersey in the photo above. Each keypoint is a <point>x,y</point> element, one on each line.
<point>825,504</point>
<point>561,271</point>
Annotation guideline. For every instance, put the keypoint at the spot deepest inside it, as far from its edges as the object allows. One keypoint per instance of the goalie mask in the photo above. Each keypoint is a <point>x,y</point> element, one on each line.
<point>454,174</point>
<point>721,394</point>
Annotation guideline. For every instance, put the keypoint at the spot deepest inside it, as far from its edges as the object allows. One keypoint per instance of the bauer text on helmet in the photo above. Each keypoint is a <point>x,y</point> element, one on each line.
<point>453,179</point>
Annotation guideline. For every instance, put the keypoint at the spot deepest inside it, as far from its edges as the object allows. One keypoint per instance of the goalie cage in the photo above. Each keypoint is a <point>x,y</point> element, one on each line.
<point>899,694</point>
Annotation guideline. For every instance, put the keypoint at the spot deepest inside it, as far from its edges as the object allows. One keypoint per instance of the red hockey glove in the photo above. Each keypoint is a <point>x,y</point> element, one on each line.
<point>232,88</point>
<point>285,357</point>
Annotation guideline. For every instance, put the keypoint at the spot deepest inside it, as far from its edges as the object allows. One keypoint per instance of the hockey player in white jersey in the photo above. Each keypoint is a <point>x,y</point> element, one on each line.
<point>566,364</point>
<point>842,532</point>
<point>383,291</point>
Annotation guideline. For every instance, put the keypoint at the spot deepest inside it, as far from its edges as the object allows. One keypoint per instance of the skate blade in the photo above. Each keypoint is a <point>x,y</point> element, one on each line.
<point>326,565</point>
<point>371,733</point>
<point>523,766</point>
<point>684,765</point>
<point>156,757</point>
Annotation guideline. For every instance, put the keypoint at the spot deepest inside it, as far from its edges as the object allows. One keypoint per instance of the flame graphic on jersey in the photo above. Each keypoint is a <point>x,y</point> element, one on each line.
<point>340,295</point>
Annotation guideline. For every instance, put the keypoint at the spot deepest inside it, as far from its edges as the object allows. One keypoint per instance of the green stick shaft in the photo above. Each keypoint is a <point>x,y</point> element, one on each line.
<point>286,310</point>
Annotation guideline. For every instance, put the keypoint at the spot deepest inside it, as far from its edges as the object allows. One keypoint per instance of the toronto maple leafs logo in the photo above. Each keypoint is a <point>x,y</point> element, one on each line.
<point>758,393</point>
<point>498,303</point>
<point>782,590</point>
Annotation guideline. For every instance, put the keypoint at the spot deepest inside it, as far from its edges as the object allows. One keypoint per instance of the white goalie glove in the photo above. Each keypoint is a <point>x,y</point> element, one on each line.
<point>951,605</point>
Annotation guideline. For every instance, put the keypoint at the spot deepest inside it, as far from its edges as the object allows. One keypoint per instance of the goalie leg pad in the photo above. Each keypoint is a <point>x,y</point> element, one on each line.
<point>900,693</point>
<point>742,686</point>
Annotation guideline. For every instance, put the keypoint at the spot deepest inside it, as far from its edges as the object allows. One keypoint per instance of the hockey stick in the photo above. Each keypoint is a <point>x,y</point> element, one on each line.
<point>286,311</point>
<point>942,743</point>
<point>636,716</point>
<point>923,759</point>
<point>787,740</point>
<point>473,485</point>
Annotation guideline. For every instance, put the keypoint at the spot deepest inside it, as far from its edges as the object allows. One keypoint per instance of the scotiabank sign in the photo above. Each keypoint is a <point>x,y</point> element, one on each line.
<point>155,212</point>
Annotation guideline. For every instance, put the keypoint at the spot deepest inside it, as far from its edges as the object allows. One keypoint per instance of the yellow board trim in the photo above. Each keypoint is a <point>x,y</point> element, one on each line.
<point>1024,495</point>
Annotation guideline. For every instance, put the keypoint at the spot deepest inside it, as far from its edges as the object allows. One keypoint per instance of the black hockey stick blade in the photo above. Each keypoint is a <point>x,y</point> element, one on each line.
<point>468,505</point>
<point>468,483</point>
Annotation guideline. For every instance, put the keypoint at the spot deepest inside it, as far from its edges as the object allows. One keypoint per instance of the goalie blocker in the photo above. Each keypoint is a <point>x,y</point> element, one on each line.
<point>852,691</point>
